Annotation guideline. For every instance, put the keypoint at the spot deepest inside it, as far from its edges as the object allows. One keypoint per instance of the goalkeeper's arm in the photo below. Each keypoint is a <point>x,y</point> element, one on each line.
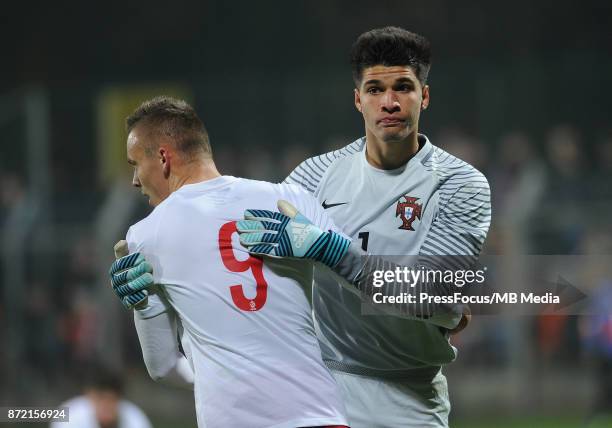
<point>289,234</point>
<point>460,228</point>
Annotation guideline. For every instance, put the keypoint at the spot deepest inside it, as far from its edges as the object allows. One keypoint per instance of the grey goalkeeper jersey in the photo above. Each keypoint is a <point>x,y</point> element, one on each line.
<point>434,205</point>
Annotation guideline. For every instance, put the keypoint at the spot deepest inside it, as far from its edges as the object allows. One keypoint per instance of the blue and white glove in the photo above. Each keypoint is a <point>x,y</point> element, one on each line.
<point>130,276</point>
<point>289,234</point>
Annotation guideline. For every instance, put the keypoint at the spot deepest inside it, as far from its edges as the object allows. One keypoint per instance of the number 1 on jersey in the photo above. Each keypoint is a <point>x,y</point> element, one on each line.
<point>364,236</point>
<point>233,265</point>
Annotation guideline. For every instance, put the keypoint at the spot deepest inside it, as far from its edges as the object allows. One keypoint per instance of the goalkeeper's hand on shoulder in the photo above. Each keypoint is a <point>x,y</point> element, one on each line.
<point>288,233</point>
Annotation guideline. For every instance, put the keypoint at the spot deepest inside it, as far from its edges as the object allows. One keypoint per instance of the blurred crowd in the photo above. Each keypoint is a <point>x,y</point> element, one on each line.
<point>551,194</point>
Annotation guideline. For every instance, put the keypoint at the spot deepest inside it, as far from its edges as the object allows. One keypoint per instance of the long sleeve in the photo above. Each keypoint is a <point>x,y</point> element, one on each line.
<point>452,244</point>
<point>157,327</point>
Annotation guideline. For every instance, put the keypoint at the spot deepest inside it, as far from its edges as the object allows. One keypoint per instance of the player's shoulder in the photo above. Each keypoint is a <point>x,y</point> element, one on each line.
<point>179,200</point>
<point>310,172</point>
<point>141,230</point>
<point>452,171</point>
<point>143,233</point>
<point>275,191</point>
<point>263,195</point>
<point>251,185</point>
<point>460,184</point>
<point>263,189</point>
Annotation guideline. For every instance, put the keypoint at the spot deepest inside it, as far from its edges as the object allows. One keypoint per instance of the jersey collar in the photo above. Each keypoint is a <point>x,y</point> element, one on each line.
<point>425,147</point>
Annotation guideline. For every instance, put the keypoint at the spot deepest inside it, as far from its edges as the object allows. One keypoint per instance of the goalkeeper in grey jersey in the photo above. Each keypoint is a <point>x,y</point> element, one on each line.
<point>394,193</point>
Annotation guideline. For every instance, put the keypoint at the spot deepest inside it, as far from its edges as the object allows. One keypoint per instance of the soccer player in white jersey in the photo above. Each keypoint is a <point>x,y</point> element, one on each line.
<point>394,193</point>
<point>252,355</point>
<point>102,405</point>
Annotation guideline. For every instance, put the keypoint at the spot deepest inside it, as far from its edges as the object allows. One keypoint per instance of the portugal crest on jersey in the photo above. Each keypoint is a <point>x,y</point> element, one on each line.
<point>408,210</point>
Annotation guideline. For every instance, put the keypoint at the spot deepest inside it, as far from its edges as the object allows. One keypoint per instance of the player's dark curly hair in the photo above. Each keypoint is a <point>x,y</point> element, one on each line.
<point>173,118</point>
<point>390,46</point>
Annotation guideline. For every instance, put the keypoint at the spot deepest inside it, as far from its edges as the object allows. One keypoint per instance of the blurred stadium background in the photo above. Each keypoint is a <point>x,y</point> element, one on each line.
<point>519,89</point>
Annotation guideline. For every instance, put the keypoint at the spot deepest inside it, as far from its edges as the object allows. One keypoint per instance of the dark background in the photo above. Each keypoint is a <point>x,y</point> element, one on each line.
<point>519,89</point>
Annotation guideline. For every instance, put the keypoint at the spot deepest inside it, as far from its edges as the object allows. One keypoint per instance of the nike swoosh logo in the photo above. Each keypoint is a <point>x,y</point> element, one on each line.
<point>326,205</point>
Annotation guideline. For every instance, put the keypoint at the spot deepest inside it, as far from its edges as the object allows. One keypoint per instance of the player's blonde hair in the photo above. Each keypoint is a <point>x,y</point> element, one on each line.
<point>174,119</point>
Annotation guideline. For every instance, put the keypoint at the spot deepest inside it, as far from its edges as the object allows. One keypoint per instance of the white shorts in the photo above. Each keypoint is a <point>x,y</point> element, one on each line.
<point>381,403</point>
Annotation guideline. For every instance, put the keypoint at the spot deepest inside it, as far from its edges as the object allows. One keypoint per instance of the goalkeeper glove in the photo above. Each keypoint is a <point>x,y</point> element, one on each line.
<point>289,234</point>
<point>130,276</point>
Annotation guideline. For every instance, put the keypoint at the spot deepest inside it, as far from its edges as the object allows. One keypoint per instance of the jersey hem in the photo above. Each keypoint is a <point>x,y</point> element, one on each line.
<point>421,373</point>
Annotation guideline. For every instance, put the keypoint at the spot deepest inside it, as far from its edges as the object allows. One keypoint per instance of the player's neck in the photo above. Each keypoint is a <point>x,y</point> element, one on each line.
<point>191,173</point>
<point>390,155</point>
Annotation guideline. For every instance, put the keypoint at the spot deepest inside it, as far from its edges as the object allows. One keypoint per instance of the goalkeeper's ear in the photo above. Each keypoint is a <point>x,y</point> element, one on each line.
<point>286,208</point>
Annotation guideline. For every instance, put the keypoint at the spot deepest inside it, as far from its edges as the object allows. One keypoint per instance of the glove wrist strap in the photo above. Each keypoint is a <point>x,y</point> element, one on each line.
<point>332,250</point>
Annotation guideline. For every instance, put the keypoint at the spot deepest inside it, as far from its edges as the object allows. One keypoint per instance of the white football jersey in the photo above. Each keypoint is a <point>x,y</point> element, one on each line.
<point>436,204</point>
<point>251,340</point>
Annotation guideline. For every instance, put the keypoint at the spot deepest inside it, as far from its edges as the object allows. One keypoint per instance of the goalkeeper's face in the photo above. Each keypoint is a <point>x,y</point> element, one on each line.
<point>390,100</point>
<point>149,175</point>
